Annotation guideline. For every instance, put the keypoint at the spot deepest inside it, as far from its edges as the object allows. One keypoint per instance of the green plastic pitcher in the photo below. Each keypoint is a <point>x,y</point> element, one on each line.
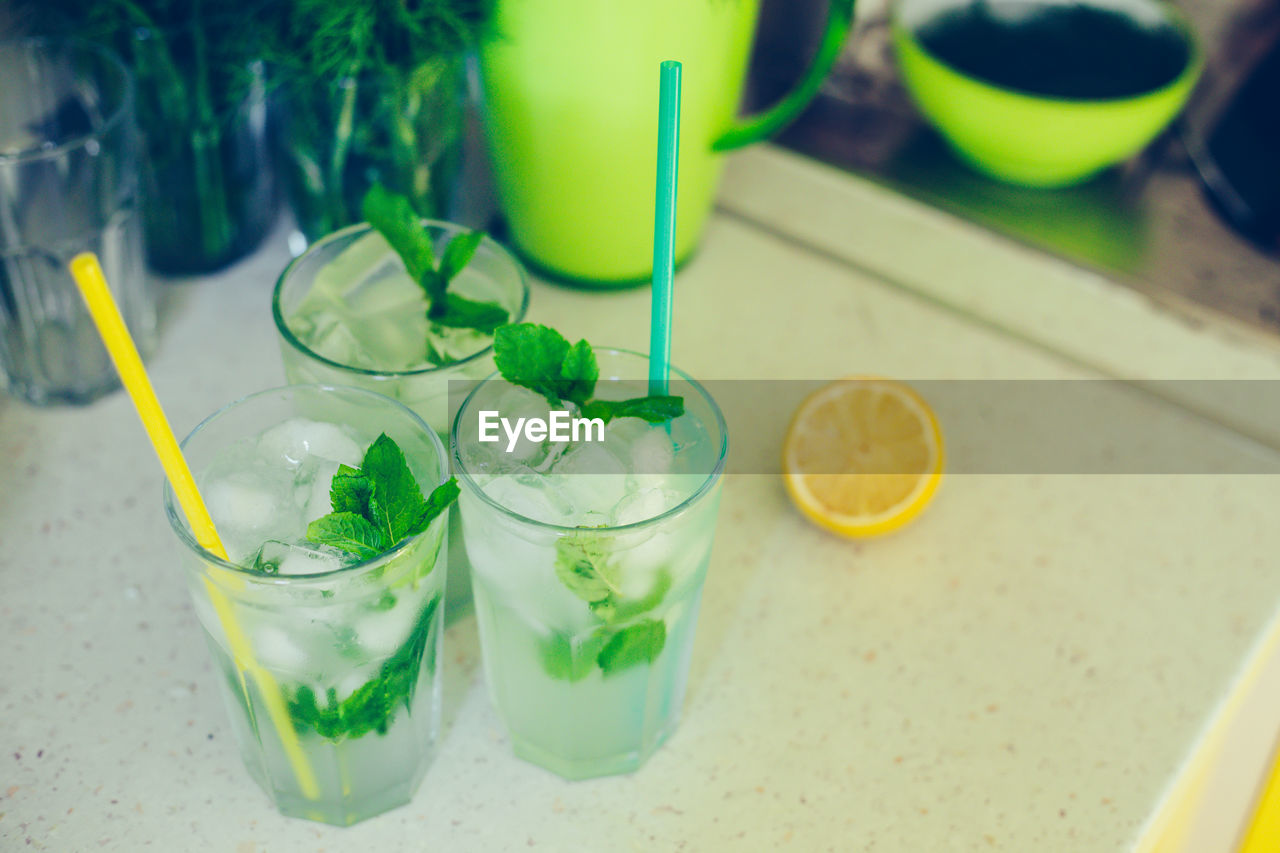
<point>571,114</point>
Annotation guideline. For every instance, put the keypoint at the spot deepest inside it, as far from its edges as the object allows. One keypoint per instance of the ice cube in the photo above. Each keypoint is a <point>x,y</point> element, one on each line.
<point>333,340</point>
<point>298,438</point>
<point>501,455</point>
<point>388,318</point>
<point>388,291</point>
<point>591,479</point>
<point>643,505</point>
<point>458,343</point>
<point>317,501</point>
<point>241,502</point>
<point>248,507</point>
<point>351,682</point>
<point>530,495</point>
<point>381,633</point>
<point>275,649</point>
<point>588,458</point>
<point>301,558</point>
<point>652,452</point>
<point>364,259</point>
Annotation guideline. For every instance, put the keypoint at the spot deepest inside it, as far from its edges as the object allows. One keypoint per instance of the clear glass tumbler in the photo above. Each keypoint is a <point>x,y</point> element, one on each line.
<point>68,184</point>
<point>347,314</point>
<point>588,560</point>
<point>330,672</point>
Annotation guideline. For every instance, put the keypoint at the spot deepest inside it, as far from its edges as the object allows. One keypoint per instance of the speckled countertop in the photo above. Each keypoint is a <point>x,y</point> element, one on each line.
<point>1024,668</point>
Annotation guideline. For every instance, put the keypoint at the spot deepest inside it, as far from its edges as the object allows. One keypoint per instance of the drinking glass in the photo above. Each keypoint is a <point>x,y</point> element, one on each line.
<point>68,184</point>
<point>588,562</point>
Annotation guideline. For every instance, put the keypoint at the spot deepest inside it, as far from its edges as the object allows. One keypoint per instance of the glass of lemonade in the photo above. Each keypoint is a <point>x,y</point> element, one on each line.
<point>349,314</point>
<point>329,663</point>
<point>588,559</point>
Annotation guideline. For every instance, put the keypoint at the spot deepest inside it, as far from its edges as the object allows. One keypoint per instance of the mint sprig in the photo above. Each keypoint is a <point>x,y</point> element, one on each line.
<point>583,566</point>
<point>372,707</point>
<point>640,642</point>
<point>541,359</point>
<point>611,648</point>
<point>375,507</point>
<point>392,216</point>
<point>378,505</point>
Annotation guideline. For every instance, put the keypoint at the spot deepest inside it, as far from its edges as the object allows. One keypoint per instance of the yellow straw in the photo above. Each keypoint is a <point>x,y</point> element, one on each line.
<point>106,315</point>
<point>1263,835</point>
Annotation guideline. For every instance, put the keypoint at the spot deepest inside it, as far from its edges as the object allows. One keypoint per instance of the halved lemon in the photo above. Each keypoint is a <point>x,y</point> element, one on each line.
<point>863,456</point>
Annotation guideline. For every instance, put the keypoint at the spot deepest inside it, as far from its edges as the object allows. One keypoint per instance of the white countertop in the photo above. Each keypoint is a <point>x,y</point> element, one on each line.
<point>1026,667</point>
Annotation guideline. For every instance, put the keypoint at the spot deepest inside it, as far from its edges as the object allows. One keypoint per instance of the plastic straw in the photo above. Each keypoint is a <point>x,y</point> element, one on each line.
<point>115,335</point>
<point>664,226</point>
<point>1263,833</point>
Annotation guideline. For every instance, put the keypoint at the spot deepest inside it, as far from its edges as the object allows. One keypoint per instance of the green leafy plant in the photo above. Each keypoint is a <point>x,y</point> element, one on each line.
<point>379,504</point>
<point>541,359</point>
<point>373,705</point>
<point>368,90</point>
<point>375,507</point>
<point>395,219</point>
<point>622,640</point>
<point>209,193</point>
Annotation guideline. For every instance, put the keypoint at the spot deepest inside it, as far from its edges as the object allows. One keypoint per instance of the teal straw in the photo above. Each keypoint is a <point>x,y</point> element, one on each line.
<point>664,226</point>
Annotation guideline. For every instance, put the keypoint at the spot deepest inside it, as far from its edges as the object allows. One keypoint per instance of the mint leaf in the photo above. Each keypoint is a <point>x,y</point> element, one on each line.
<point>434,285</point>
<point>454,311</point>
<point>531,356</point>
<point>373,705</point>
<point>568,659</point>
<point>348,532</point>
<point>656,409</point>
<point>437,502</point>
<point>437,358</point>
<point>395,219</point>
<point>392,216</point>
<point>579,372</point>
<point>540,359</point>
<point>462,313</point>
<point>637,643</point>
<point>651,599</point>
<point>459,252</point>
<point>580,566</point>
<point>396,503</point>
<point>379,505</point>
<point>350,490</point>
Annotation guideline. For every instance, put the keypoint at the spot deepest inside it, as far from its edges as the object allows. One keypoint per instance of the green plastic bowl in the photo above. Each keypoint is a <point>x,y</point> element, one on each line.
<point>1037,140</point>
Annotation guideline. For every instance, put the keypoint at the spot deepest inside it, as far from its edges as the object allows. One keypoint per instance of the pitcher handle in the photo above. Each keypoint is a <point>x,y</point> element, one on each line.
<point>754,128</point>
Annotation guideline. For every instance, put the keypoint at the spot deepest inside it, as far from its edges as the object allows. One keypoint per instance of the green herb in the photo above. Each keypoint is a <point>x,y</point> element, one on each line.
<point>612,649</point>
<point>540,359</point>
<point>567,660</point>
<point>350,491</point>
<point>394,218</point>
<point>639,642</point>
<point>196,75</point>
<point>582,565</point>
<point>378,505</point>
<point>372,90</point>
<point>654,409</point>
<point>373,705</point>
<point>350,532</point>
